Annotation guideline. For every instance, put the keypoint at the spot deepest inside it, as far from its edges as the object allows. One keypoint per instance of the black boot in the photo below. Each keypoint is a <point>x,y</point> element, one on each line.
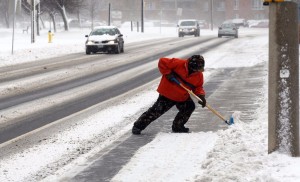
<point>136,131</point>
<point>180,129</point>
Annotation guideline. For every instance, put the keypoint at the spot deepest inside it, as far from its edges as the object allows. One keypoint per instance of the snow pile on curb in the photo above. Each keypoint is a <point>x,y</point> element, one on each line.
<point>238,154</point>
<point>241,154</point>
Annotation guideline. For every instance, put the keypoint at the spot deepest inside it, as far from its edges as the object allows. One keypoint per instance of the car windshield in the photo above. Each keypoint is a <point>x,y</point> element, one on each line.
<point>187,23</point>
<point>227,26</point>
<point>103,31</point>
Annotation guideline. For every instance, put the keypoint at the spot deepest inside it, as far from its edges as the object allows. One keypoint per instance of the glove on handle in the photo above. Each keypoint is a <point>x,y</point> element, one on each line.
<point>203,103</point>
<point>171,77</point>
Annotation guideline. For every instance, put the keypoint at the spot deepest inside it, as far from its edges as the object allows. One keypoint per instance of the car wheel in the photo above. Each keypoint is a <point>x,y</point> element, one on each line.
<point>122,50</point>
<point>236,36</point>
<point>117,49</point>
<point>87,50</point>
<point>219,36</point>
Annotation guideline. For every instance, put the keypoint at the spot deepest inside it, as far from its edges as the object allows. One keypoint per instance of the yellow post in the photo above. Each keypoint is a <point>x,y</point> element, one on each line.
<point>50,36</point>
<point>266,2</point>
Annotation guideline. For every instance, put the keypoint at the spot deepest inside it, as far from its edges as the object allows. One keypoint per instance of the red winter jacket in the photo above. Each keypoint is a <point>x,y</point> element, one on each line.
<point>170,89</point>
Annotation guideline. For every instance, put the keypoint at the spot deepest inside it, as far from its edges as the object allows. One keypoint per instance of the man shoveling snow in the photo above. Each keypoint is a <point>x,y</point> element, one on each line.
<point>175,72</point>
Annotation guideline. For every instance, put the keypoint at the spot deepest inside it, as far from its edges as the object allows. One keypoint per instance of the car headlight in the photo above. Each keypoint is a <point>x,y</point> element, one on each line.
<point>180,30</point>
<point>193,29</point>
<point>111,41</point>
<point>90,42</point>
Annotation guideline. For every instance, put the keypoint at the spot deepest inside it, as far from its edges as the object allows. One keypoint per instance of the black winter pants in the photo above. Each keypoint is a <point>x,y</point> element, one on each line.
<point>161,106</point>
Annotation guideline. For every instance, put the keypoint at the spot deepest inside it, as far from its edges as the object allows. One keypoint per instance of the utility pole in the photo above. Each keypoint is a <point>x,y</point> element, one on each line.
<point>211,14</point>
<point>283,131</point>
<point>178,11</point>
<point>38,18</point>
<point>142,16</point>
<point>14,22</point>
<point>32,21</point>
<point>109,14</point>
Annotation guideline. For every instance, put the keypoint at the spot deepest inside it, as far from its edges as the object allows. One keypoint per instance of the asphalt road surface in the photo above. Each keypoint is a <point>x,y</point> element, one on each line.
<point>50,78</point>
<point>38,94</point>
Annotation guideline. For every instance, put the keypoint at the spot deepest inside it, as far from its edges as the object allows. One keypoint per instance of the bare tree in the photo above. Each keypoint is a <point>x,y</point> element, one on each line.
<point>61,7</point>
<point>70,5</point>
<point>26,7</point>
<point>49,7</point>
<point>54,7</point>
<point>93,7</point>
<point>4,7</point>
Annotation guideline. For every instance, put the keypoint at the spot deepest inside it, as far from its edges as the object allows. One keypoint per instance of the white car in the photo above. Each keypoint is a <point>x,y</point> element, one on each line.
<point>188,27</point>
<point>104,39</point>
<point>228,29</point>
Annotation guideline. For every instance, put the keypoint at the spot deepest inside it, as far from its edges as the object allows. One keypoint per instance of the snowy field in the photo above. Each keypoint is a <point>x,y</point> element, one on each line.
<point>238,153</point>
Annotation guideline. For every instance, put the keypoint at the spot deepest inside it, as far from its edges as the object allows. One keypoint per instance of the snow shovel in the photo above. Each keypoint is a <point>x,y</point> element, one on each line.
<point>230,122</point>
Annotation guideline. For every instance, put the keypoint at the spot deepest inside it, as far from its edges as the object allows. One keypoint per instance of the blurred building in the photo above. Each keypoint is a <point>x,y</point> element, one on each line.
<point>173,10</point>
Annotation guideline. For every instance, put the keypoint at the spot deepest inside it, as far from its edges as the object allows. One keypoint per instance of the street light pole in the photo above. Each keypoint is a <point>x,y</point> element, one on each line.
<point>14,19</point>
<point>211,15</point>
<point>109,14</point>
<point>176,10</point>
<point>142,16</point>
<point>32,21</point>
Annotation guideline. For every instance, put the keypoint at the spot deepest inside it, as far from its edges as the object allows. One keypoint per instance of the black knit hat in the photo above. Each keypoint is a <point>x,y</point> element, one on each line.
<point>196,62</point>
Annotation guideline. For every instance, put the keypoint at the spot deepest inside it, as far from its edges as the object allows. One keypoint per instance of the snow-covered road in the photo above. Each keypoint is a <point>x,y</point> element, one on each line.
<point>235,154</point>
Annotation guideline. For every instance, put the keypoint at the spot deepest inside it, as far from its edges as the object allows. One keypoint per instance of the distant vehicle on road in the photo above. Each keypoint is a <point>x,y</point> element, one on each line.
<point>228,29</point>
<point>203,24</point>
<point>263,24</point>
<point>188,27</point>
<point>104,39</point>
<point>239,22</point>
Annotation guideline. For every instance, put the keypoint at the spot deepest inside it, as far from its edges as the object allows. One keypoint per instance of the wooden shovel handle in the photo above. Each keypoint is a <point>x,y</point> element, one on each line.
<point>207,105</point>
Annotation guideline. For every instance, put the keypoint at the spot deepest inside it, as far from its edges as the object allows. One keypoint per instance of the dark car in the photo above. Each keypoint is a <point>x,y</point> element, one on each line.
<point>104,39</point>
<point>228,29</point>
